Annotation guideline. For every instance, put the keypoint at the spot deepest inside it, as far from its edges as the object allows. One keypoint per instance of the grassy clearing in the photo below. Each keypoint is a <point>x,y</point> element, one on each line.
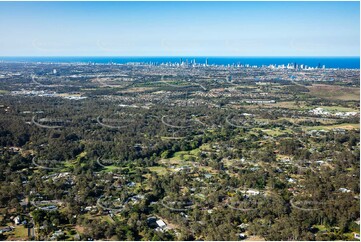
<point>111,168</point>
<point>205,147</point>
<point>81,155</point>
<point>347,126</point>
<point>176,158</point>
<point>70,163</point>
<point>79,229</point>
<point>273,132</point>
<point>289,105</point>
<point>164,83</point>
<point>334,92</point>
<point>350,236</point>
<point>195,151</point>
<point>170,138</point>
<point>160,170</point>
<point>20,232</point>
<point>320,227</point>
<point>180,156</point>
<point>286,105</point>
<point>312,119</point>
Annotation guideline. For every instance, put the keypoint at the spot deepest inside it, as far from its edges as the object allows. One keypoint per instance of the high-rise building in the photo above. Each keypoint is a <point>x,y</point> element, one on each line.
<point>207,62</point>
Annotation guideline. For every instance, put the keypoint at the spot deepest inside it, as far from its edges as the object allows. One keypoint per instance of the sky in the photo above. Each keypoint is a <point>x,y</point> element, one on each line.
<point>179,29</point>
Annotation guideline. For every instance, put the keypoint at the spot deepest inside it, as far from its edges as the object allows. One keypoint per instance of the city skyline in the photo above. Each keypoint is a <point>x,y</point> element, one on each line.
<point>262,29</point>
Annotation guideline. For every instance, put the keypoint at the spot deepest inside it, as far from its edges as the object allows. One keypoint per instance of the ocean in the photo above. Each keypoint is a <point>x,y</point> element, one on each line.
<point>329,62</point>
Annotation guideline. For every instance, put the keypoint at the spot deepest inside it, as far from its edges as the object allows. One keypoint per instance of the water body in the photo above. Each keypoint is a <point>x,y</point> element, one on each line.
<point>329,62</point>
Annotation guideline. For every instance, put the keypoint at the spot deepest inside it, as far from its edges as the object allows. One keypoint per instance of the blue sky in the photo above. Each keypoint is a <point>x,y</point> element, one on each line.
<point>180,28</point>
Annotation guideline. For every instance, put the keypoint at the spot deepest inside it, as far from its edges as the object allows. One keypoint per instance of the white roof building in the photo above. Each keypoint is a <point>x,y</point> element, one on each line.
<point>161,223</point>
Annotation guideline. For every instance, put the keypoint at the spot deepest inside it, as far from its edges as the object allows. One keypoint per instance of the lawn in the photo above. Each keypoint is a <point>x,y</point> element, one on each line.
<point>320,227</point>
<point>20,232</point>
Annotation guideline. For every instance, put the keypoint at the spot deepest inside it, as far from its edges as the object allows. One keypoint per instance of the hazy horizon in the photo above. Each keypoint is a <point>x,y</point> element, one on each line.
<point>182,56</point>
<point>180,29</point>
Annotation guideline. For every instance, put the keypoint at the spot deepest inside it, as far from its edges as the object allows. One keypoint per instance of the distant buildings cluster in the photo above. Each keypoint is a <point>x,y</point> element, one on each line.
<point>193,63</point>
<point>46,93</point>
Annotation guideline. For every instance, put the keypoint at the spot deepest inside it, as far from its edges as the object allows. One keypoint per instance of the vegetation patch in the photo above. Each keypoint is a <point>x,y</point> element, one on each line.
<point>334,92</point>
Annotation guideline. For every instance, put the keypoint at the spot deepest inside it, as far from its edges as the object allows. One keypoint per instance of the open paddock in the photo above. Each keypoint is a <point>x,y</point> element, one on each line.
<point>334,92</point>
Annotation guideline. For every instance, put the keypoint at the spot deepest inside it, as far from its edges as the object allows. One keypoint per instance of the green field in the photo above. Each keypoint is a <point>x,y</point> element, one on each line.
<point>273,132</point>
<point>160,170</point>
<point>347,126</point>
<point>111,168</point>
<point>20,232</point>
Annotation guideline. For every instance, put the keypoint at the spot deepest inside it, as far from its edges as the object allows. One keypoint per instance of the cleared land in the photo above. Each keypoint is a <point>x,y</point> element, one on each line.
<point>336,126</point>
<point>334,92</point>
